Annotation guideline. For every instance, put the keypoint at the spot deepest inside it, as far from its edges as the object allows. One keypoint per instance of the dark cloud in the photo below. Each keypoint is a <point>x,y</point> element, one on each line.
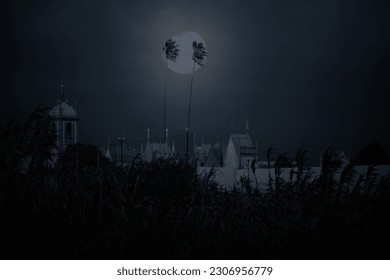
<point>305,72</point>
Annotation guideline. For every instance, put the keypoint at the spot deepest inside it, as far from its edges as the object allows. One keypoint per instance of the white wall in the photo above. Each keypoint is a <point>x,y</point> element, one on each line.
<point>227,177</point>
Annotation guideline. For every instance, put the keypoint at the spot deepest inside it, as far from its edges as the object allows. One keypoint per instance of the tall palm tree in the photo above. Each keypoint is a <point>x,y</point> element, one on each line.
<point>171,51</point>
<point>198,57</point>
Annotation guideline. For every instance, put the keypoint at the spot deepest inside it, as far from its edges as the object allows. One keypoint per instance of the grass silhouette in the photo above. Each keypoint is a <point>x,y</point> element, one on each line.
<point>166,210</point>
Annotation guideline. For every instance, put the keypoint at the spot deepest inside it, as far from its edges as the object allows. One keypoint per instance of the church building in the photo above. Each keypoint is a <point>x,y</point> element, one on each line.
<point>209,155</point>
<point>155,150</point>
<point>64,123</point>
<point>240,150</point>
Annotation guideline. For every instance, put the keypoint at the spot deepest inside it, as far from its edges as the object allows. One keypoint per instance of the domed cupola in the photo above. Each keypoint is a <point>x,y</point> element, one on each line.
<point>64,122</point>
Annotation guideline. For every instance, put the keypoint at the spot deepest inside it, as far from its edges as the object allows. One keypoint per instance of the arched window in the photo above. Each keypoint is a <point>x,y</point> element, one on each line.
<point>69,130</point>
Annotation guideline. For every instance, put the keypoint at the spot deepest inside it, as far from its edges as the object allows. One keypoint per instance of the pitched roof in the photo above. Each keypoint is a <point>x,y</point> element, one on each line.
<point>156,149</point>
<point>241,140</point>
<point>214,157</point>
<point>67,110</point>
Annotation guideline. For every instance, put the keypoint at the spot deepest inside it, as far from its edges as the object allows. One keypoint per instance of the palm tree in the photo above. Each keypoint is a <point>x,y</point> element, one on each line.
<point>171,51</point>
<point>198,57</point>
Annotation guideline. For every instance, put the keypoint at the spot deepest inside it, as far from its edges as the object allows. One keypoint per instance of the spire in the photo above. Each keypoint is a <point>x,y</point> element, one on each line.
<point>62,96</point>
<point>166,135</point>
<point>247,129</point>
<point>108,154</point>
<point>173,148</point>
<point>148,133</point>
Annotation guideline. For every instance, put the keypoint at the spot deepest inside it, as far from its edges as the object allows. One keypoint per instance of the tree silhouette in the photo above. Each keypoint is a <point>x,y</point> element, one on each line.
<point>198,56</point>
<point>26,148</point>
<point>373,154</point>
<point>171,51</point>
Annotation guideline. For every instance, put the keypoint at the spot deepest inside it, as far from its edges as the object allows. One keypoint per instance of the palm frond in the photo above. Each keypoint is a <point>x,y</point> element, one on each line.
<point>171,50</point>
<point>199,54</point>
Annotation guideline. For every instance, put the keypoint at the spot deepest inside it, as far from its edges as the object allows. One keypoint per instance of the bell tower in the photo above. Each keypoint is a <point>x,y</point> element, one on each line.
<point>64,122</point>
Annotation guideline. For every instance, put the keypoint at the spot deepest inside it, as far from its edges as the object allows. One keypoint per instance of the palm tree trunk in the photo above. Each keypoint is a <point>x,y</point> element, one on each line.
<point>165,101</point>
<point>189,111</point>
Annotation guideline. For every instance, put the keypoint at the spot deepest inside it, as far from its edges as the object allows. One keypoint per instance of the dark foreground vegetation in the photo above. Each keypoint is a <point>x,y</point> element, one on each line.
<point>82,209</point>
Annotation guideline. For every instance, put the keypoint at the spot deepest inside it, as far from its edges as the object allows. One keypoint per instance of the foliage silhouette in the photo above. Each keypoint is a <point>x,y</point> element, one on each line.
<point>166,210</point>
<point>371,154</point>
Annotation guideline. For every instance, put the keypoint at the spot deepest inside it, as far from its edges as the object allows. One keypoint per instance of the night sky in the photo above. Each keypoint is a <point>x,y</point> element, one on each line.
<point>306,73</point>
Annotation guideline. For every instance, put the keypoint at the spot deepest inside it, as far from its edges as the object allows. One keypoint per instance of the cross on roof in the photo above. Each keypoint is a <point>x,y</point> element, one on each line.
<point>62,97</point>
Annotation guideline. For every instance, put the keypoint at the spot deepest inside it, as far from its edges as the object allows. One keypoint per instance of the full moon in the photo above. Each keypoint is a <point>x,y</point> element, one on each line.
<point>184,62</point>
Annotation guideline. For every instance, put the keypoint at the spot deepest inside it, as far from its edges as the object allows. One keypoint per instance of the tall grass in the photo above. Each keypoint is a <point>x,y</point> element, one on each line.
<point>165,209</point>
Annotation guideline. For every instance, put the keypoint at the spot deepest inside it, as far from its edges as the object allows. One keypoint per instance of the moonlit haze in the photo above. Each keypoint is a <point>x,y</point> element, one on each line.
<point>194,129</point>
<point>305,73</point>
